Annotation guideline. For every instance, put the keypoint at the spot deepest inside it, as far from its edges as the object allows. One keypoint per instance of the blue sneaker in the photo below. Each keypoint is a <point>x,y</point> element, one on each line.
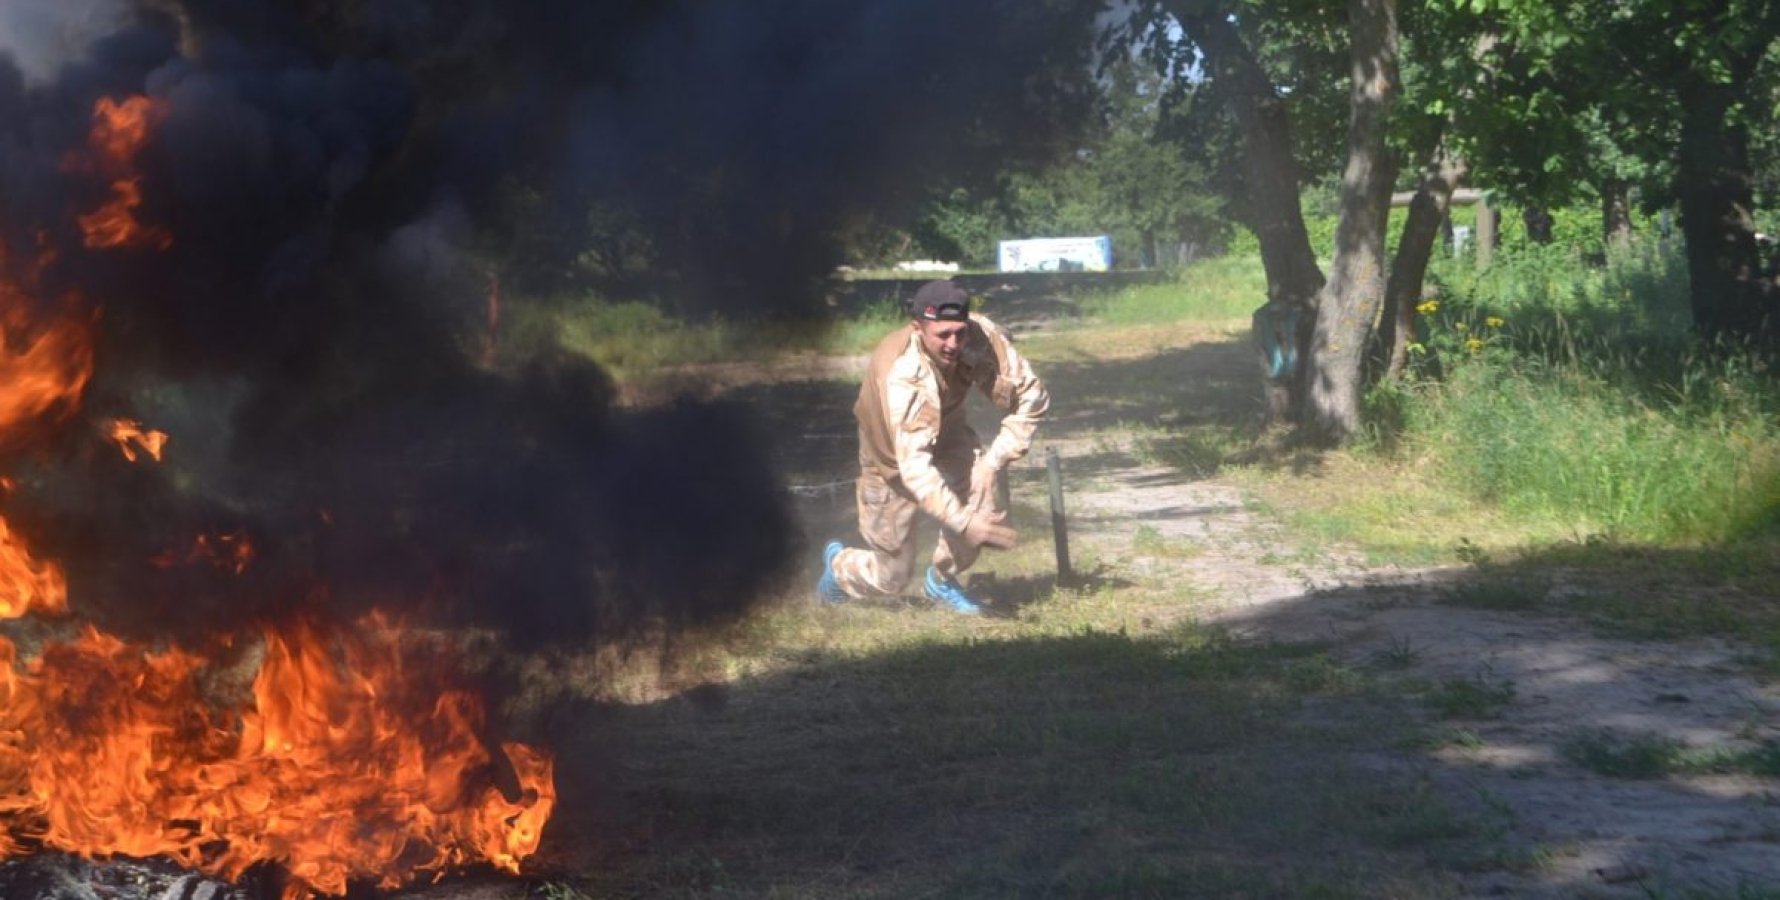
<point>826,587</point>
<point>949,593</point>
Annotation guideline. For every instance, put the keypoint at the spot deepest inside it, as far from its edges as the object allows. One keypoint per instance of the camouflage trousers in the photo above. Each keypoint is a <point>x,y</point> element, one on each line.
<point>887,510</point>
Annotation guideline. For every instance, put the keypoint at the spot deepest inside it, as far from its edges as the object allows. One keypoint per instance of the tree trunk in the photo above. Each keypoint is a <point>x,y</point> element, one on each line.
<point>1349,302</point>
<point>1282,326</point>
<point>1427,212</point>
<point>1616,214</point>
<point>1714,181</point>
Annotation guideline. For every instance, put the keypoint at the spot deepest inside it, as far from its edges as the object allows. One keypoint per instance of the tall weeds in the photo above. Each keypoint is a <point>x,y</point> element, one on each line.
<point>1576,394</point>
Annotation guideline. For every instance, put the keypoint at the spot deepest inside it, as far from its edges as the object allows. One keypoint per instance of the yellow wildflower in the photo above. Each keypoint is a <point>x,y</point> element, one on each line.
<point>1474,345</point>
<point>1427,307</point>
<point>1493,321</point>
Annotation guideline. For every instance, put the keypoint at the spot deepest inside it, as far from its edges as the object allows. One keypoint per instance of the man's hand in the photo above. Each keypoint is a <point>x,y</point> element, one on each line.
<point>982,485</point>
<point>987,528</point>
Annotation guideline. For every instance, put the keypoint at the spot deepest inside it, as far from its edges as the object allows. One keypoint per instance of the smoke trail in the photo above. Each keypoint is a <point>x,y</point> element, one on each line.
<point>334,175</point>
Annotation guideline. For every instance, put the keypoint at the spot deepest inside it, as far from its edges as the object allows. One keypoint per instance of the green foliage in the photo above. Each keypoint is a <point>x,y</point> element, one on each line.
<point>959,226</point>
<point>1573,395</point>
<point>1125,180</point>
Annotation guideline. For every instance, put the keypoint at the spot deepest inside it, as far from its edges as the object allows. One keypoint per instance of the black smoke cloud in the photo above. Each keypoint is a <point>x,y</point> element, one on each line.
<point>309,339</point>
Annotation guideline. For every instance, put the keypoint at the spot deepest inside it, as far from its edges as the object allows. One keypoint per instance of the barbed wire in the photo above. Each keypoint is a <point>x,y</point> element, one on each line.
<point>825,489</point>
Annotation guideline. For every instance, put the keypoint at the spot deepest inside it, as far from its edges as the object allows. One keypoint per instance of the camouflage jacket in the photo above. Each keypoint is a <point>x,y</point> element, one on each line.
<point>910,415</point>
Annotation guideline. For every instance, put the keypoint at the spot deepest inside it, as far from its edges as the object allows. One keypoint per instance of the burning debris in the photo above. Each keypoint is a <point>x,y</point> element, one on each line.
<point>346,762</point>
<point>353,755</point>
<point>51,876</point>
<point>255,481</point>
<point>261,455</point>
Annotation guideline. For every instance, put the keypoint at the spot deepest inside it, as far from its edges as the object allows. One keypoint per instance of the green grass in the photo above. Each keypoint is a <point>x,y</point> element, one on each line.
<point>1645,756</point>
<point>1580,451</point>
<point>1477,697</point>
<point>634,340</point>
<point>1150,541</point>
<point>1075,747</point>
<point>1217,290</point>
<point>912,754</point>
<point>1565,393</point>
<point>1398,654</point>
<point>1497,592</point>
<point>861,331</point>
<point>623,337</point>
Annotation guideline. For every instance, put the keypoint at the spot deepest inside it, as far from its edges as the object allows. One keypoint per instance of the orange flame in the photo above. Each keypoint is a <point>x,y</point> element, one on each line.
<point>348,761</point>
<point>27,584</point>
<point>44,368</point>
<point>120,130</point>
<point>231,552</point>
<point>129,431</point>
<point>45,361</point>
<point>342,766</point>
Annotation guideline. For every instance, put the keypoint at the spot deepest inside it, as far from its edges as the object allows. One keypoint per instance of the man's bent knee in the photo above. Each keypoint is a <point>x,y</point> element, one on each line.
<point>867,573</point>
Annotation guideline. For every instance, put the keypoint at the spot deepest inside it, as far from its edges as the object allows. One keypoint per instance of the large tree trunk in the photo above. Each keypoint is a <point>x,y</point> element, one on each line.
<point>1283,325</point>
<point>1427,212</point>
<point>1349,303</point>
<point>1714,181</point>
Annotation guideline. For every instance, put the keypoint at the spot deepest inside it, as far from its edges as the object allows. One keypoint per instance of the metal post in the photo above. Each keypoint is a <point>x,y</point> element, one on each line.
<point>1059,523</point>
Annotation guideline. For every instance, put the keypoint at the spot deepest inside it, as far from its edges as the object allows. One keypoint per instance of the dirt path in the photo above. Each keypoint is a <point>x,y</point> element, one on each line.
<point>1550,690</point>
<point>1572,832</point>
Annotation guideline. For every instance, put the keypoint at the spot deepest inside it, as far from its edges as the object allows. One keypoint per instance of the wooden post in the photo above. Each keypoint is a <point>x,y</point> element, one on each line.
<point>1486,233</point>
<point>1059,523</point>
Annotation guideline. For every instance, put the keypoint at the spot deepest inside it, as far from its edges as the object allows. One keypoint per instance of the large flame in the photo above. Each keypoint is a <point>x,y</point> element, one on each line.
<point>352,758</point>
<point>45,363</point>
<point>46,349</point>
<point>26,583</point>
<point>345,764</point>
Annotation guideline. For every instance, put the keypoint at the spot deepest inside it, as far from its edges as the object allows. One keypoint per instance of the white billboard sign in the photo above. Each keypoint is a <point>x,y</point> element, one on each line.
<point>1071,254</point>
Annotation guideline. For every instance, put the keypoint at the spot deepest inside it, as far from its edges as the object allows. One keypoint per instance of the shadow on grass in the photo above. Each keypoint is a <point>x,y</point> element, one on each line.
<point>1088,765</point>
<point>993,759</point>
<point>1006,597</point>
<point>1211,382</point>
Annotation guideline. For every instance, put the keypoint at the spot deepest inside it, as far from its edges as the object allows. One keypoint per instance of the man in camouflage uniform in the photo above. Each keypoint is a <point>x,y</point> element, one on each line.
<point>916,451</point>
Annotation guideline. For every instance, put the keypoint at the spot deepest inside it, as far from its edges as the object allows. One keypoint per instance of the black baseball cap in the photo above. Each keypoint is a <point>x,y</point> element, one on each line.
<point>940,301</point>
